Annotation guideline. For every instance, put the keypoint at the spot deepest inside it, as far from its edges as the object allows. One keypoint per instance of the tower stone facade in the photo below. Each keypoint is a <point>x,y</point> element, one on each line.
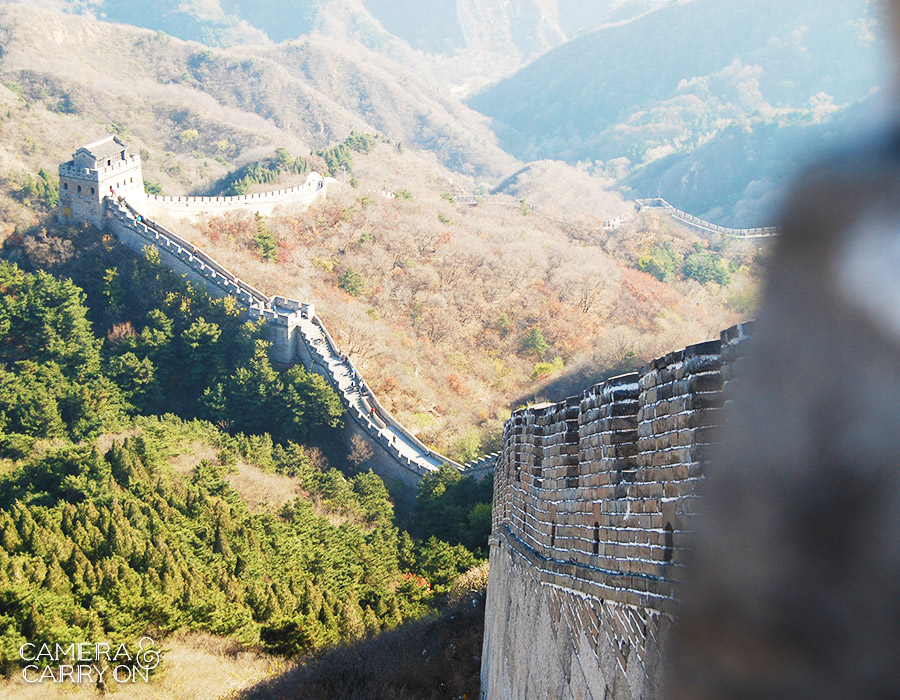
<point>101,169</point>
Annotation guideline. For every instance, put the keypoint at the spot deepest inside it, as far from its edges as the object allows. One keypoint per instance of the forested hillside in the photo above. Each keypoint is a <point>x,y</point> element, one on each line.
<point>115,522</point>
<point>457,312</point>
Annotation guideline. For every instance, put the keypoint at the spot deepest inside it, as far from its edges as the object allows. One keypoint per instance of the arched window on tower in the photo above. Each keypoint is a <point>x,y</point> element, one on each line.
<point>79,189</point>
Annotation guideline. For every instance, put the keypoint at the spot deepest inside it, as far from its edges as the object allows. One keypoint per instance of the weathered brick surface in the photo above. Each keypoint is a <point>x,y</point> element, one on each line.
<point>593,497</point>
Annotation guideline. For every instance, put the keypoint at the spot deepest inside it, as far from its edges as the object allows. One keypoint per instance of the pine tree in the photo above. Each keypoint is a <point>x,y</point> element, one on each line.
<point>351,625</point>
<point>370,619</point>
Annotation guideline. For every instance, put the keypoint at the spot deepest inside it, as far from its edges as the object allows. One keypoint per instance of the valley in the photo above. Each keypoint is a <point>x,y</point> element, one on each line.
<point>475,250</point>
<point>458,313</point>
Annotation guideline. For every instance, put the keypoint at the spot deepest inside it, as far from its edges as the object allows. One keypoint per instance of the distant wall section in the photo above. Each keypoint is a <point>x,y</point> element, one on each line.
<point>311,191</point>
<point>297,335</point>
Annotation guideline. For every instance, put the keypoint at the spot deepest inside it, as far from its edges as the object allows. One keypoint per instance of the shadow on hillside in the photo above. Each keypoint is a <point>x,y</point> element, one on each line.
<point>574,382</point>
<point>423,660</point>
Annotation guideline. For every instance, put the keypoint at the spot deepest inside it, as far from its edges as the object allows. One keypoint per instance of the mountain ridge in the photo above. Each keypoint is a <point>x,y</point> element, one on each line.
<point>620,98</point>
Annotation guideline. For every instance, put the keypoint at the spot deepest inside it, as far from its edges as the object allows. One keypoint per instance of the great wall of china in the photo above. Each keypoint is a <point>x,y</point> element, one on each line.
<point>260,202</point>
<point>593,496</point>
<point>103,185</point>
<point>592,499</point>
<point>695,222</point>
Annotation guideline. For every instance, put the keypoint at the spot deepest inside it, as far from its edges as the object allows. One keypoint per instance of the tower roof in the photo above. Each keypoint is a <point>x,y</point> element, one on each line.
<point>104,148</point>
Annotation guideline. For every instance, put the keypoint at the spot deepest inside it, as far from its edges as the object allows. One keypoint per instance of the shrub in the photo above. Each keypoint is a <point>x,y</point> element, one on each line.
<point>661,262</point>
<point>352,282</point>
<point>43,189</point>
<point>707,267</point>
<point>535,343</point>
<point>543,370</point>
<point>471,584</point>
<point>152,187</point>
<point>188,135</point>
<point>743,301</point>
<point>466,446</point>
<point>265,242</point>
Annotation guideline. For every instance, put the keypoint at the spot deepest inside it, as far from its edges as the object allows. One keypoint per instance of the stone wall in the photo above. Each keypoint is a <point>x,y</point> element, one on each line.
<point>592,499</point>
<point>110,195</point>
<point>303,195</point>
<point>297,335</point>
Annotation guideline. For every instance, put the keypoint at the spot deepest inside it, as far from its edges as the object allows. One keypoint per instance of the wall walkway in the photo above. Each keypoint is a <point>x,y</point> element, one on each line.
<point>700,224</point>
<point>297,334</point>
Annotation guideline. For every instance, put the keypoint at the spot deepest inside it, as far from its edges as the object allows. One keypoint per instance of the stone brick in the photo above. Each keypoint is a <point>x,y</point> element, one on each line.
<point>632,467</point>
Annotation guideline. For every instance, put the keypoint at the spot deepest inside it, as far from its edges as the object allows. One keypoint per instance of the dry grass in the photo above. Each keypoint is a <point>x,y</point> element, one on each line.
<point>106,440</point>
<point>258,488</point>
<point>261,489</point>
<point>191,454</point>
<point>432,659</point>
<point>195,667</point>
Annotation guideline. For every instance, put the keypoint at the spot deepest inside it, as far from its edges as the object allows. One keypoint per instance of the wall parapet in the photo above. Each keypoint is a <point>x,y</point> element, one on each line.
<point>593,497</point>
<point>696,222</point>
<point>298,335</point>
<point>314,186</point>
<point>204,264</point>
<point>608,479</point>
<point>96,174</point>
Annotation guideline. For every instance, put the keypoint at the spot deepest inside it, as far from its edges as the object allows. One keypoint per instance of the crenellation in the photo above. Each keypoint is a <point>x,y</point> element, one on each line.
<point>595,528</point>
<point>312,189</point>
<point>103,184</point>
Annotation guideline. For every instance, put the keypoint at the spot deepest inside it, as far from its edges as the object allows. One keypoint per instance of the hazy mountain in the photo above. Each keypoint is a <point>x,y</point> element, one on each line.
<point>528,27</point>
<point>739,177</point>
<point>463,44</point>
<point>676,78</point>
<point>301,95</point>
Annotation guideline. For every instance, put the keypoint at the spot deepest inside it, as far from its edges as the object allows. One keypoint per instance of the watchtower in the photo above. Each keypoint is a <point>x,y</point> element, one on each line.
<point>100,169</point>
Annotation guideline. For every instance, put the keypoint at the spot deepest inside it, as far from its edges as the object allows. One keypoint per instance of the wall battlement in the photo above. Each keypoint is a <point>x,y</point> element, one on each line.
<point>103,185</point>
<point>297,334</point>
<point>101,172</point>
<point>696,222</point>
<point>304,195</point>
<point>592,499</point>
